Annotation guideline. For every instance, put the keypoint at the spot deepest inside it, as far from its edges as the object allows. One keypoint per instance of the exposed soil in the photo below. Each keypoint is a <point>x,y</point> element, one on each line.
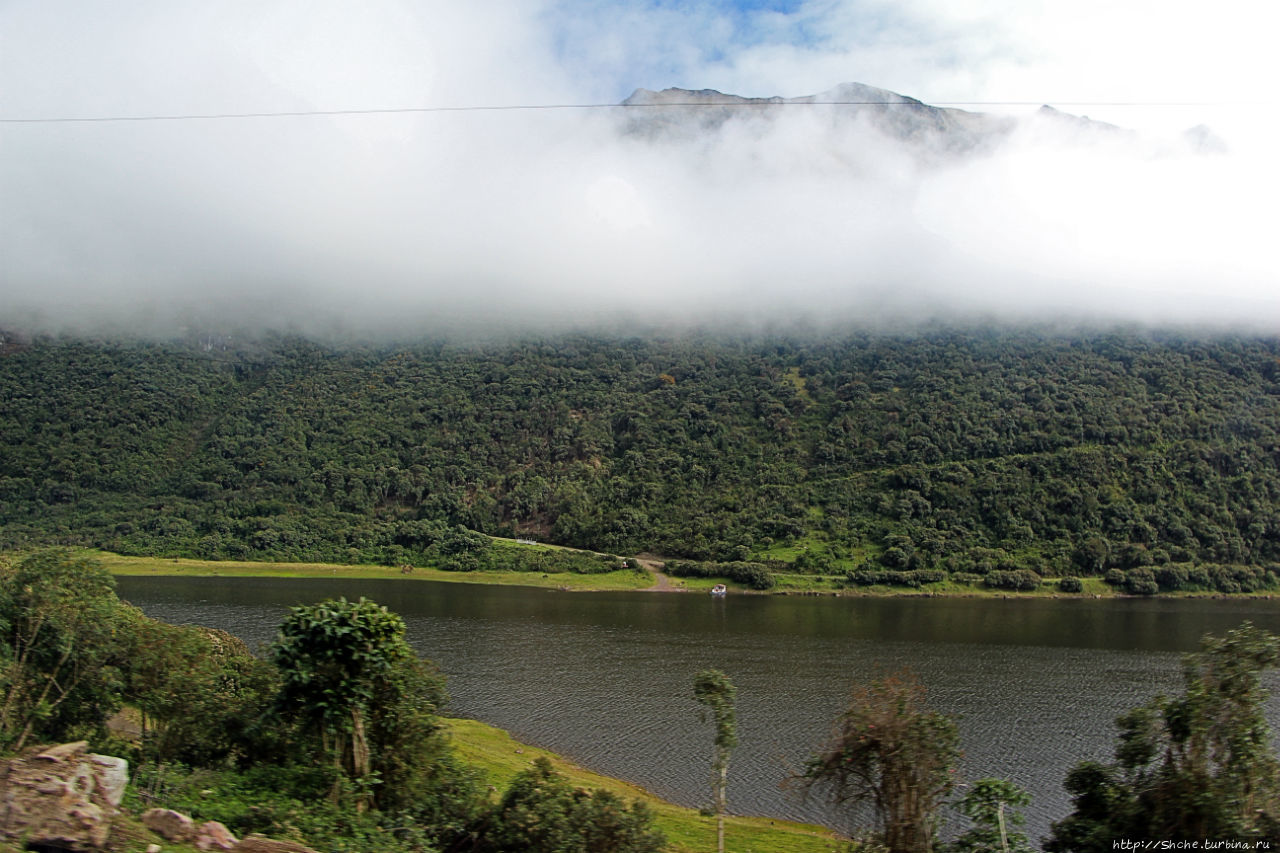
<point>661,583</point>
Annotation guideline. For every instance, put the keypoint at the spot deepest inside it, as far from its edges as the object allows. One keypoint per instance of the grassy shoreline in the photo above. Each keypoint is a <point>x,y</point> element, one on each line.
<point>127,566</point>
<point>623,580</point>
<point>502,757</point>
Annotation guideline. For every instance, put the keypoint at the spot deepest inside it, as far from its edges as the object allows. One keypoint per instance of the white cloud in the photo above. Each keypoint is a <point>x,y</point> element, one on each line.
<point>552,214</point>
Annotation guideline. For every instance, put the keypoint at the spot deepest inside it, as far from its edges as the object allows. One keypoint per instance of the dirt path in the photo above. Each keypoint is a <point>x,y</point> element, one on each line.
<point>661,583</point>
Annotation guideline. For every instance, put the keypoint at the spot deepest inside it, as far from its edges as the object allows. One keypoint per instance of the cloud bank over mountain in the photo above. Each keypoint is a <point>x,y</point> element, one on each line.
<point>683,212</point>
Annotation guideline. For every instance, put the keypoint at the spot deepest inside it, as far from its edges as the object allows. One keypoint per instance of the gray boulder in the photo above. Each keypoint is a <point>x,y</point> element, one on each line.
<point>212,835</point>
<point>63,796</point>
<point>169,825</point>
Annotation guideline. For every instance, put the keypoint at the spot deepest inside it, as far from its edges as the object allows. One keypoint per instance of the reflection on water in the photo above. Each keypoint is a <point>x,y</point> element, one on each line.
<point>606,678</point>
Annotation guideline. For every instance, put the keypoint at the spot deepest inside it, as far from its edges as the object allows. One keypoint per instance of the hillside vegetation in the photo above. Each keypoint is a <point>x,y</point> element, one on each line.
<point>905,459</point>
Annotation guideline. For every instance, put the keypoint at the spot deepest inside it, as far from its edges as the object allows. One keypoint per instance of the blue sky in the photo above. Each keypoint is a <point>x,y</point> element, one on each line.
<point>1088,52</point>
<point>689,45</point>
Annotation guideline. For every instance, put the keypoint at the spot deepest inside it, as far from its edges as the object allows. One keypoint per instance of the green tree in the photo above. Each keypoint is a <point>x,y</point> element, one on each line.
<point>350,677</point>
<point>199,690</point>
<point>1197,766</point>
<point>59,647</point>
<point>891,751</point>
<point>992,806</point>
<point>713,689</point>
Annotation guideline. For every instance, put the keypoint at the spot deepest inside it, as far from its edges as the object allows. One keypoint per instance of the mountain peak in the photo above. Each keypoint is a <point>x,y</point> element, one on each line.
<point>850,108</point>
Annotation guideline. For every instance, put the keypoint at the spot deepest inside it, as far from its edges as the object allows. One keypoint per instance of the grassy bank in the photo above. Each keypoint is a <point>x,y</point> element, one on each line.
<point>501,757</point>
<point>621,580</point>
<point>119,564</point>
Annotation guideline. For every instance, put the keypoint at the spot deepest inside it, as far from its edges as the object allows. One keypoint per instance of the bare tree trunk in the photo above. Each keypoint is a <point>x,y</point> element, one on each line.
<point>720,806</point>
<point>334,746</point>
<point>360,764</point>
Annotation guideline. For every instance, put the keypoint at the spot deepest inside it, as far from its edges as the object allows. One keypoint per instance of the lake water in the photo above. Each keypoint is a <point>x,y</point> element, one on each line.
<point>606,678</point>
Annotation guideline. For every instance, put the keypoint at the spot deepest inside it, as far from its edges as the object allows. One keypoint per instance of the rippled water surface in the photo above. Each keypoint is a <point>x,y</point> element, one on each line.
<point>606,678</point>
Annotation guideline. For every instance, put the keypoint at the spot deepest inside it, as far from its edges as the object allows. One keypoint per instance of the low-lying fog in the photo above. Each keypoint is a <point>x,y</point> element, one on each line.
<point>412,220</point>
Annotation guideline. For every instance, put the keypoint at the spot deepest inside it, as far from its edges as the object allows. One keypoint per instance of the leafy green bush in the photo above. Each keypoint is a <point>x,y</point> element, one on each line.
<point>914,579</point>
<point>1021,580</point>
<point>542,813</point>
<point>61,632</point>
<point>1172,577</point>
<point>1140,582</point>
<point>1070,584</point>
<point>753,575</point>
<point>505,558</point>
<point>201,692</point>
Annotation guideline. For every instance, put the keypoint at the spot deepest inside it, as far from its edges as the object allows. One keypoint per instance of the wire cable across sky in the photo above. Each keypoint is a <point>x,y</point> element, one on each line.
<point>749,104</point>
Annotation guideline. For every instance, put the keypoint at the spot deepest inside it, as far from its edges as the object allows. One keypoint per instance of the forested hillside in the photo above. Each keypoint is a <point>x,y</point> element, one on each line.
<point>978,453</point>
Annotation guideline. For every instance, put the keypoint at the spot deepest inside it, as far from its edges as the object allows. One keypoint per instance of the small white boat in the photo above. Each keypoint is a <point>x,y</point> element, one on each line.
<point>719,590</point>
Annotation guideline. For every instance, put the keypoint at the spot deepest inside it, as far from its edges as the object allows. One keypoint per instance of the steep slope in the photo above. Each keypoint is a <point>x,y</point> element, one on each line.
<point>947,451</point>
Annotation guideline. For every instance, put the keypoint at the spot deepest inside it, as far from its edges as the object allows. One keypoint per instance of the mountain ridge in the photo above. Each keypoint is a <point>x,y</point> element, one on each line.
<point>931,131</point>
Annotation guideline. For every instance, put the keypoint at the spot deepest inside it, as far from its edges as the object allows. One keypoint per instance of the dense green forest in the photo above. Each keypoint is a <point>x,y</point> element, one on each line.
<point>1149,458</point>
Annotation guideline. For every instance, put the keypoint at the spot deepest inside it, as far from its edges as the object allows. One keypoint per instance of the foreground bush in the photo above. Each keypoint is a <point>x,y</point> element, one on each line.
<point>1188,768</point>
<point>542,813</point>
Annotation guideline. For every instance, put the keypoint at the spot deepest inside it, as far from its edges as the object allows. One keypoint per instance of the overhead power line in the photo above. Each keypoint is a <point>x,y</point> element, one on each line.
<point>756,104</point>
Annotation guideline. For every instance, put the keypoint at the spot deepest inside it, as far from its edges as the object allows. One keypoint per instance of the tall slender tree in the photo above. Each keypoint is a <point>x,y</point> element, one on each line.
<point>713,689</point>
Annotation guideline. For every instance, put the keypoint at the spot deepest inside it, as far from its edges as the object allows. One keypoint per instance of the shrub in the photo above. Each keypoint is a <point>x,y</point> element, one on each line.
<point>542,813</point>
<point>1172,577</point>
<point>1021,580</point>
<point>914,579</point>
<point>1141,582</point>
<point>1070,584</point>
<point>753,575</point>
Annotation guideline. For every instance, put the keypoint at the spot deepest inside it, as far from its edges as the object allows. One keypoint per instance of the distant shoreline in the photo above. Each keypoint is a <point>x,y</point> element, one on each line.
<point>627,580</point>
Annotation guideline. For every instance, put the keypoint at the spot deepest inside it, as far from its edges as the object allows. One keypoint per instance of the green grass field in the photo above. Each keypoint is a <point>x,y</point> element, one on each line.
<point>621,580</point>
<point>501,757</point>
<point>119,564</point>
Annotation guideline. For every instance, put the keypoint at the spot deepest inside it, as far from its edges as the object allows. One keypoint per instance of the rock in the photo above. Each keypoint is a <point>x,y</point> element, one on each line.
<point>171,825</point>
<point>212,835</point>
<point>262,844</point>
<point>113,776</point>
<point>153,848</point>
<point>64,751</point>
<point>62,797</point>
